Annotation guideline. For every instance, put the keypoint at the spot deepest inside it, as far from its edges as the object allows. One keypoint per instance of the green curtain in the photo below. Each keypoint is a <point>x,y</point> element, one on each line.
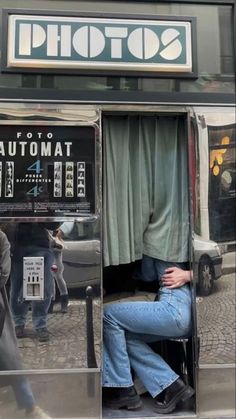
<point>145,189</point>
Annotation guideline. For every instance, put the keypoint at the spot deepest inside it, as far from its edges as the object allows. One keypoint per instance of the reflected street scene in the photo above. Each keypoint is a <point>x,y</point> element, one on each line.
<point>50,269</point>
<point>54,293</point>
<point>214,210</point>
<point>67,347</point>
<point>50,292</point>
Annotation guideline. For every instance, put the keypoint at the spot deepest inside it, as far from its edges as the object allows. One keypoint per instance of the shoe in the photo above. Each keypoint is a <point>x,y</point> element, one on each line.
<point>37,413</point>
<point>64,303</point>
<point>20,331</point>
<point>42,334</point>
<point>167,401</point>
<point>121,398</point>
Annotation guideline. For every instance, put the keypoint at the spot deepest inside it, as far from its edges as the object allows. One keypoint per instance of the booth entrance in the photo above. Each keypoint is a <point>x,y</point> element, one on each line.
<point>146,166</point>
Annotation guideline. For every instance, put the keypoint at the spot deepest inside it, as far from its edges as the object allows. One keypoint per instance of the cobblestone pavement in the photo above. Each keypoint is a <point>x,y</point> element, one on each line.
<point>67,347</point>
<point>216,322</point>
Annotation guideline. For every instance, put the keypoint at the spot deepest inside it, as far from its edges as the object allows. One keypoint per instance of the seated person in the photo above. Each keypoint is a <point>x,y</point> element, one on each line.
<point>130,326</point>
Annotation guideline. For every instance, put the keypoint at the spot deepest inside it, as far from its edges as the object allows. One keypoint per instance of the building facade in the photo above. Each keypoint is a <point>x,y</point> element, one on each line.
<point>79,80</point>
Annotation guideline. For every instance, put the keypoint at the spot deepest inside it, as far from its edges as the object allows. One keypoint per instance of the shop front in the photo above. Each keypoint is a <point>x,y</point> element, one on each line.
<point>117,140</point>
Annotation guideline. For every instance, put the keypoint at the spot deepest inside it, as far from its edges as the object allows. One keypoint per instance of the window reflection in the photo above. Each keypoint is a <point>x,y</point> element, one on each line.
<point>68,274</point>
<point>216,195</point>
<point>222,187</point>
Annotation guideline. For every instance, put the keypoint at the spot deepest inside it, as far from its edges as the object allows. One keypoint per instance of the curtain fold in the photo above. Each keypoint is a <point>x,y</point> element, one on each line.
<point>145,187</point>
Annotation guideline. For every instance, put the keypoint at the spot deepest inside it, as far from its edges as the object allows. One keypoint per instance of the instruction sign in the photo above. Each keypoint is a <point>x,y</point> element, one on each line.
<point>33,278</point>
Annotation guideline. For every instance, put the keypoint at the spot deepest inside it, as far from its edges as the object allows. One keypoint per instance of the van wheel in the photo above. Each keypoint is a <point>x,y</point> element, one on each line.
<point>206,276</point>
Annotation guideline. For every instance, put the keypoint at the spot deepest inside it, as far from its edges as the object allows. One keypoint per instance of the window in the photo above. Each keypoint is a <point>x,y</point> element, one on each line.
<point>222,182</point>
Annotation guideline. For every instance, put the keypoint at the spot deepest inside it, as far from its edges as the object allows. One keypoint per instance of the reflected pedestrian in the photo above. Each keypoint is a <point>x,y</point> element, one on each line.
<point>9,353</point>
<point>58,270</point>
<point>30,240</point>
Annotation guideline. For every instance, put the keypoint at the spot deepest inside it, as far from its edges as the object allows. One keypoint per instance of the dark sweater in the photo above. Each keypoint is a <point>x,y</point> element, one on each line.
<point>29,234</point>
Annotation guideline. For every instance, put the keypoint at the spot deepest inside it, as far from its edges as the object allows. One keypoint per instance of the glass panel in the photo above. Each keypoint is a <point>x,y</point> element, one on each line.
<point>54,293</point>
<point>214,52</point>
<point>50,274</point>
<point>50,267</point>
<point>60,395</point>
<point>215,242</point>
<point>222,182</point>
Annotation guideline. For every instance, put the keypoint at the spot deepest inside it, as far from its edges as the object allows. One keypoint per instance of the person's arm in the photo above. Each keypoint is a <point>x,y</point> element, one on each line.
<point>5,259</point>
<point>176,277</point>
<point>65,229</point>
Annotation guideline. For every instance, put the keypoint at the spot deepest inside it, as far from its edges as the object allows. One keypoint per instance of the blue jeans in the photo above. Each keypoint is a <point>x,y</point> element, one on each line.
<point>20,307</point>
<point>23,393</point>
<point>58,275</point>
<point>129,326</point>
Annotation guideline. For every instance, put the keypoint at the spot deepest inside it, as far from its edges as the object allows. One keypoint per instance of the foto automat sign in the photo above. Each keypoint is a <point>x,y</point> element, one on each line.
<point>47,170</point>
<point>90,43</point>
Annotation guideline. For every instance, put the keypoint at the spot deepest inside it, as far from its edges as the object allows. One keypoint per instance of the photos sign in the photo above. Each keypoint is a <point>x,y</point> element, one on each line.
<point>90,43</point>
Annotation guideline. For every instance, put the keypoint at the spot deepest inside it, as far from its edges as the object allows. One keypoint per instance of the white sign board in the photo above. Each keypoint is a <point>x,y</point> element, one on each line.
<point>33,278</point>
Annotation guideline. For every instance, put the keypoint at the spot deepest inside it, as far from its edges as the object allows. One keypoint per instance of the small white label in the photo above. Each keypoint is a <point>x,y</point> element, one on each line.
<point>33,278</point>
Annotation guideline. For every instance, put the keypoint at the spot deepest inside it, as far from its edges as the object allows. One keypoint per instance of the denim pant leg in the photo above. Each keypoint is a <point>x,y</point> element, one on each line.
<point>149,318</point>
<point>19,307</point>
<point>40,308</point>
<point>150,367</point>
<point>23,393</point>
<point>116,365</point>
<point>61,283</point>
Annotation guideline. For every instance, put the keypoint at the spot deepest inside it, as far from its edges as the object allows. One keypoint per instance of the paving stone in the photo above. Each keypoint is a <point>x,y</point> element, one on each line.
<point>216,322</point>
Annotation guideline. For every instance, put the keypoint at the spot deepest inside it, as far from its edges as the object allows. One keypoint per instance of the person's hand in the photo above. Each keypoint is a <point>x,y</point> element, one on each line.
<point>175,277</point>
<point>59,234</point>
